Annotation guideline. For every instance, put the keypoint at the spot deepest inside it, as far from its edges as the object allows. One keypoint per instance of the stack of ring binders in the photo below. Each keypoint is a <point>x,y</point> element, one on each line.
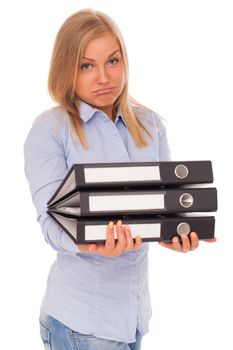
<point>158,200</point>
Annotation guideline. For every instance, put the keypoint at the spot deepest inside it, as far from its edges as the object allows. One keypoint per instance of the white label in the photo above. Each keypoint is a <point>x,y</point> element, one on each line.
<point>122,174</point>
<point>126,202</point>
<point>98,232</point>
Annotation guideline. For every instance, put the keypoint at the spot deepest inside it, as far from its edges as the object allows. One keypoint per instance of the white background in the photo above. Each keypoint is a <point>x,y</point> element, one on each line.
<point>180,55</point>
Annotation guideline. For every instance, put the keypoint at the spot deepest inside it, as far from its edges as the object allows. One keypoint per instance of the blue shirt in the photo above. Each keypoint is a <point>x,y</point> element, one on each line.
<point>106,297</point>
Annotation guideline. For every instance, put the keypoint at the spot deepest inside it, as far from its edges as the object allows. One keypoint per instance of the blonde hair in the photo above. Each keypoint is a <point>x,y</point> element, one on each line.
<point>70,43</point>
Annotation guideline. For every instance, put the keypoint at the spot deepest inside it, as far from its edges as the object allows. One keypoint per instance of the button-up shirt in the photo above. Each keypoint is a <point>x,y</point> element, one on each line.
<point>106,297</point>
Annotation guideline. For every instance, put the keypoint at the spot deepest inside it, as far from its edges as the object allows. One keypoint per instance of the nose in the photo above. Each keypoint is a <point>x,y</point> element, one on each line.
<point>103,77</point>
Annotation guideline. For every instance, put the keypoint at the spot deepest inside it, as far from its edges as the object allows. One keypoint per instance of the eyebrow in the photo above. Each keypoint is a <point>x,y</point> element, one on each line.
<point>91,59</point>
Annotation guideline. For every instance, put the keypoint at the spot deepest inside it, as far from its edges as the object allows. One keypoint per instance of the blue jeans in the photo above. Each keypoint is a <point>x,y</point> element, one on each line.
<point>56,336</point>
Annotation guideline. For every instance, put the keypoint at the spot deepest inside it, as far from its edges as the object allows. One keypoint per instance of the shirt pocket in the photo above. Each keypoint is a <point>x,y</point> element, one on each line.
<point>45,336</point>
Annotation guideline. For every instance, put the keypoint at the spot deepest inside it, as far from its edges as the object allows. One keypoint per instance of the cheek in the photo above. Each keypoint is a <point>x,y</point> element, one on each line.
<point>120,76</point>
<point>83,83</point>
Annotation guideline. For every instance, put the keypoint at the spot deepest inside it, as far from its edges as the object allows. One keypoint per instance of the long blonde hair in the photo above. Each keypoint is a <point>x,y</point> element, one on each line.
<point>70,43</point>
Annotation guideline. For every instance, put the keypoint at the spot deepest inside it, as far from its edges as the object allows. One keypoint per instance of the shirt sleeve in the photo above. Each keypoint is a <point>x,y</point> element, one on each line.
<point>45,168</point>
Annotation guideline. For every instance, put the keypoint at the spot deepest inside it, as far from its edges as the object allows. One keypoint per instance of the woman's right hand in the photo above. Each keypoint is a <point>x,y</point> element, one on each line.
<point>112,247</point>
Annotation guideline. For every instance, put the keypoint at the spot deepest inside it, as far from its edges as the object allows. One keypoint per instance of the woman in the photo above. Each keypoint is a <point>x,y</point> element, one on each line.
<point>97,295</point>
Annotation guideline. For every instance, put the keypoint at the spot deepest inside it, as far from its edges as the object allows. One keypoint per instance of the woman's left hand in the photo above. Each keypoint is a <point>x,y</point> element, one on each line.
<point>186,244</point>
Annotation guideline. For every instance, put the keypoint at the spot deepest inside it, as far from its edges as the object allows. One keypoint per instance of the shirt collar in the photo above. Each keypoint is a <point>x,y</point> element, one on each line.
<point>87,112</point>
<point>119,116</point>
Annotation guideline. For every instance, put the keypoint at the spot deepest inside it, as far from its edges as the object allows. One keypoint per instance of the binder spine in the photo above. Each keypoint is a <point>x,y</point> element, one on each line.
<point>151,229</point>
<point>188,172</point>
<point>148,202</point>
<point>203,226</point>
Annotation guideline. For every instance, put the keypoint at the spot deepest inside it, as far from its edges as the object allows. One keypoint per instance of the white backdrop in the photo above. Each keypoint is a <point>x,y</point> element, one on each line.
<point>181,56</point>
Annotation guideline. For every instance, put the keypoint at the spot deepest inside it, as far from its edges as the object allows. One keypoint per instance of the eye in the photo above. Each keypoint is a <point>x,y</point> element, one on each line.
<point>113,60</point>
<point>86,66</point>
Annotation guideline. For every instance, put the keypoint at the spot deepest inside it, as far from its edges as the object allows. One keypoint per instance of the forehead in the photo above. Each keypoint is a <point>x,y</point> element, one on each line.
<point>104,44</point>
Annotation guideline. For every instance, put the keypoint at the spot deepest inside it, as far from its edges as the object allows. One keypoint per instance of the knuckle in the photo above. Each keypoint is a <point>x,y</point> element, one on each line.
<point>119,249</point>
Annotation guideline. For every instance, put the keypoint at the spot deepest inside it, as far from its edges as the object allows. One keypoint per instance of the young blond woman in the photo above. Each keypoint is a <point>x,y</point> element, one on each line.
<point>97,295</point>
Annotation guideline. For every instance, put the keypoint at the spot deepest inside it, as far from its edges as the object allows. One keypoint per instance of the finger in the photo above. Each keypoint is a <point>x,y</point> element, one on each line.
<point>84,248</point>
<point>194,240</point>
<point>138,243</point>
<point>110,239</point>
<point>121,239</point>
<point>92,248</point>
<point>97,249</point>
<point>176,245</point>
<point>129,239</point>
<point>185,243</point>
<point>210,240</point>
<point>166,244</point>
<point>107,248</point>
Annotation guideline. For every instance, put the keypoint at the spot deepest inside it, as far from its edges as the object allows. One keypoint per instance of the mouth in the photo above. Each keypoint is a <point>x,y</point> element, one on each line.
<point>104,91</point>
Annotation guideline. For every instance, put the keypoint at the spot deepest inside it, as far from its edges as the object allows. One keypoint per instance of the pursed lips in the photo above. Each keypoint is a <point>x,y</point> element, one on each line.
<point>103,91</point>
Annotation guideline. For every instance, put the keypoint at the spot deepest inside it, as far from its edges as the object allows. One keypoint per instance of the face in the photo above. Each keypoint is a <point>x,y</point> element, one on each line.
<point>101,74</point>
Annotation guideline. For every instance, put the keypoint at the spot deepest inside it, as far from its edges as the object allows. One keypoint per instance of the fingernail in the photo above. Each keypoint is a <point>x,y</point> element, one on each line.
<point>184,235</point>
